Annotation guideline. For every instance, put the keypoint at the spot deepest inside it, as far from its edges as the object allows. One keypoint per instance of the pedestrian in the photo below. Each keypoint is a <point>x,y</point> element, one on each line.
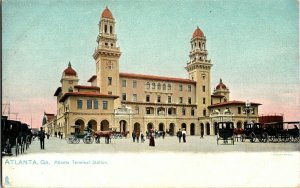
<point>61,135</point>
<point>179,135</point>
<point>137,136</point>
<point>151,140</point>
<point>133,136</point>
<point>163,134</point>
<point>142,138</point>
<point>48,135</point>
<point>202,133</point>
<point>184,135</point>
<point>42,138</point>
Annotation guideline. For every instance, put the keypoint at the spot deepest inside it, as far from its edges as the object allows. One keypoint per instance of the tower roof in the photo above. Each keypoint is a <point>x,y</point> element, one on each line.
<point>221,85</point>
<point>107,14</point>
<point>198,33</point>
<point>70,71</point>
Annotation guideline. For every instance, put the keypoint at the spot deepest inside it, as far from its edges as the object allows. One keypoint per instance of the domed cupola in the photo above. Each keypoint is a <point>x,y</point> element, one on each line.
<point>197,33</point>
<point>221,85</point>
<point>107,14</point>
<point>70,71</point>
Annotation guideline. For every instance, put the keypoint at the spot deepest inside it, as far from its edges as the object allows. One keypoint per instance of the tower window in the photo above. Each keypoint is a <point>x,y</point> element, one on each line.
<point>109,80</point>
<point>239,110</point>
<point>134,97</point>
<point>111,44</point>
<point>203,88</point>
<point>169,99</point>
<point>180,100</point>
<point>111,29</point>
<point>192,112</point>
<point>204,112</point>
<point>147,98</point>
<point>123,96</point>
<point>203,100</point>
<point>105,28</point>
<point>147,85</point>
<point>70,89</point>
<point>183,111</point>
<point>189,100</point>
<point>158,98</point>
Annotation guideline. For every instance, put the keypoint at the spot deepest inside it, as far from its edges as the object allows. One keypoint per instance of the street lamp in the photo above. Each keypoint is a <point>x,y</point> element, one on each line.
<point>247,110</point>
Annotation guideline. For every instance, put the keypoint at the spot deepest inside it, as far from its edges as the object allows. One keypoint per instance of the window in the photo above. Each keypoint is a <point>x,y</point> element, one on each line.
<point>169,86</point>
<point>158,86</point>
<point>111,29</point>
<point>79,104</point>
<point>70,89</point>
<point>253,111</point>
<point>158,98</point>
<point>89,104</point>
<point>189,88</point>
<point>153,85</point>
<point>110,93</point>
<point>183,111</point>
<point>147,98</point>
<point>239,110</point>
<point>169,99</point>
<point>134,84</point>
<point>203,77</point>
<point>134,97</point>
<point>204,112</point>
<point>123,96</point>
<point>123,83</point>
<point>164,86</point>
<point>203,100</point>
<point>95,104</point>
<point>180,100</point>
<point>192,112</point>
<point>137,110</point>
<point>111,44</point>
<point>105,28</point>
<point>180,87</point>
<point>109,80</point>
<point>104,105</point>
<point>147,85</point>
<point>203,88</point>
<point>148,111</point>
<point>189,100</point>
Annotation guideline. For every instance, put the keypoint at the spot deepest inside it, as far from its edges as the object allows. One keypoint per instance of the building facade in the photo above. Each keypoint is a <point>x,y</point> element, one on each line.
<point>137,102</point>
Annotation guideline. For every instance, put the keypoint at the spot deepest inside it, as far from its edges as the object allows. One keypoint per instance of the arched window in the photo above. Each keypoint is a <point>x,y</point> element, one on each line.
<point>147,85</point>
<point>153,85</point>
<point>169,86</point>
<point>105,28</point>
<point>158,86</point>
<point>164,86</point>
<point>111,29</point>
<point>199,45</point>
<point>70,89</point>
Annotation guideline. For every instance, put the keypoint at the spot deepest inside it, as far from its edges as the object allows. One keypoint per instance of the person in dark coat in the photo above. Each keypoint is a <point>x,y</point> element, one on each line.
<point>142,138</point>
<point>202,133</point>
<point>42,138</point>
<point>133,136</point>
<point>151,140</point>
<point>137,136</point>
<point>179,135</point>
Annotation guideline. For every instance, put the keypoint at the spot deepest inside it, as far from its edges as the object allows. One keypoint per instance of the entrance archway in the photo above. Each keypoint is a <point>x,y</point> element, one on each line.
<point>192,129</point>
<point>80,124</point>
<point>215,128</point>
<point>183,126</point>
<point>149,126</point>
<point>123,126</point>
<point>207,129</point>
<point>137,127</point>
<point>161,127</point>
<point>92,124</point>
<point>172,129</point>
<point>239,124</point>
<point>104,126</point>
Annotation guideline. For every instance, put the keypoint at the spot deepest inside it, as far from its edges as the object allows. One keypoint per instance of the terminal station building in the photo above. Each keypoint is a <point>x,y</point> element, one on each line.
<point>123,101</point>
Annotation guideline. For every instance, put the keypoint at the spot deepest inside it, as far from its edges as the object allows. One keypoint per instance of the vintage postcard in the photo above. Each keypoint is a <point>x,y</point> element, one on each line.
<point>191,93</point>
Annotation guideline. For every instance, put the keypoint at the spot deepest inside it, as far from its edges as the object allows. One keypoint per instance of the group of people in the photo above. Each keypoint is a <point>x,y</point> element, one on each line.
<point>181,134</point>
<point>136,136</point>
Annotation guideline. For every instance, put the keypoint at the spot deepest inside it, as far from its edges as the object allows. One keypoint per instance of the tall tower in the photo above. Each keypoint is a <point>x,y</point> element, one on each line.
<point>107,56</point>
<point>198,68</point>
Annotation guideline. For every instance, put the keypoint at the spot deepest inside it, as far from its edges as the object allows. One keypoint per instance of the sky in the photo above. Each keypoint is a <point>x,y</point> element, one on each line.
<point>253,45</point>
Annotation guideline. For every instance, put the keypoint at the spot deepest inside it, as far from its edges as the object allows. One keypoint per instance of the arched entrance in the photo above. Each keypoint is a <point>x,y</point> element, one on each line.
<point>192,129</point>
<point>183,126</point>
<point>172,129</point>
<point>201,128</point>
<point>137,127</point>
<point>80,126</point>
<point>123,126</point>
<point>207,129</point>
<point>215,128</point>
<point>149,126</point>
<point>104,125</point>
<point>239,124</point>
<point>92,124</point>
<point>161,127</point>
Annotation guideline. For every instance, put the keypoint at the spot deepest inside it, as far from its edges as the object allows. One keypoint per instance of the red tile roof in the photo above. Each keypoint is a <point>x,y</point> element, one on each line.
<point>86,87</point>
<point>70,71</point>
<point>232,103</point>
<point>152,77</point>
<point>58,90</point>
<point>92,78</point>
<point>50,117</point>
<point>107,14</point>
<point>198,33</point>
<point>86,94</point>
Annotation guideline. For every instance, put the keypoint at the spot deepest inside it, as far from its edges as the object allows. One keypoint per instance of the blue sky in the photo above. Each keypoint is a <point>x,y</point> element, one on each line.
<point>252,44</point>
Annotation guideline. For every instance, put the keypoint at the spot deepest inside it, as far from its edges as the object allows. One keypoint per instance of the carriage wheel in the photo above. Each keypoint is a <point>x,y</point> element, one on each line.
<point>76,140</point>
<point>252,137</point>
<point>264,137</point>
<point>88,139</point>
<point>69,139</point>
<point>296,139</point>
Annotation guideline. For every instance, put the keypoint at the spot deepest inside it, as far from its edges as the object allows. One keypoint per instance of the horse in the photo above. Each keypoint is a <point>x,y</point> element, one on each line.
<point>106,134</point>
<point>238,132</point>
<point>125,133</point>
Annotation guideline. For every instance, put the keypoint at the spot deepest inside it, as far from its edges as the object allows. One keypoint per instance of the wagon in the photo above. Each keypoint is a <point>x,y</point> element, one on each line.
<point>255,131</point>
<point>86,136</point>
<point>225,132</point>
<point>283,131</point>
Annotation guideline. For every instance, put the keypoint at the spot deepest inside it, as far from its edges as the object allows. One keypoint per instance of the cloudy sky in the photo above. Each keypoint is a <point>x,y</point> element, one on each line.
<point>253,46</point>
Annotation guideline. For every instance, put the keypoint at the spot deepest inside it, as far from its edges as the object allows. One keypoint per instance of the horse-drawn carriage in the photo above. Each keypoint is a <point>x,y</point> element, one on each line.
<point>253,131</point>
<point>225,132</point>
<point>283,131</point>
<point>86,136</point>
